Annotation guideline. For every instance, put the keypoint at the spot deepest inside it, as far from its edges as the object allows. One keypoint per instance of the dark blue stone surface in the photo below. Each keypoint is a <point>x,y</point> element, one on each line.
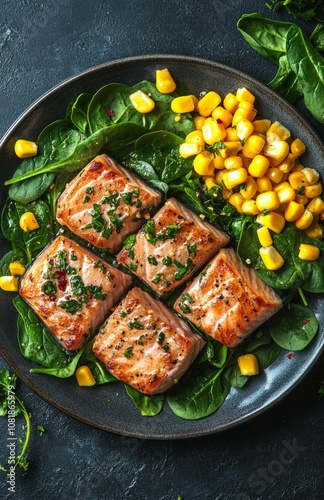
<point>277,455</point>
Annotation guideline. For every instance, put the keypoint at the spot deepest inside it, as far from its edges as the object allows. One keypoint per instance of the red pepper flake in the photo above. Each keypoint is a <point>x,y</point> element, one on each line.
<point>110,112</point>
<point>61,280</point>
<point>219,120</point>
<point>52,297</point>
<point>95,165</point>
<point>291,355</point>
<point>306,321</point>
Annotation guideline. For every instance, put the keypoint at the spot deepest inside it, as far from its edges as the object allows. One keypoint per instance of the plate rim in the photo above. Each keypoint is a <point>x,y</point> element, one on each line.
<point>154,58</point>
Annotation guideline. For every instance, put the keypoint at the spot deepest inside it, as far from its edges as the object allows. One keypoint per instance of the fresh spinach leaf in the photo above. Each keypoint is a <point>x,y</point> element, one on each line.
<point>149,406</point>
<point>294,328</point>
<point>286,82</point>
<point>35,341</point>
<point>79,112</point>
<point>11,256</point>
<point>317,38</point>
<point>308,65</point>
<point>29,242</point>
<point>98,370</point>
<point>61,372</point>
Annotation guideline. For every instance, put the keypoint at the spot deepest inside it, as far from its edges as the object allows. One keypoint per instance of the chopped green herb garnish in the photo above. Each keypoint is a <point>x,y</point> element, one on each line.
<point>129,241</point>
<point>71,306</point>
<point>167,261</point>
<point>90,190</point>
<point>131,266</point>
<point>101,266</point>
<point>128,352</point>
<point>192,248</point>
<point>152,260</point>
<point>134,324</point>
<point>86,199</point>
<point>161,338</point>
<point>123,314</point>
<point>157,278</point>
<point>49,288</point>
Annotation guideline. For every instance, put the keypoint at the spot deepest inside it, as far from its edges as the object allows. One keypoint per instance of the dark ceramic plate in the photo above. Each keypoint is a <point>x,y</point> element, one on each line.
<point>90,405</point>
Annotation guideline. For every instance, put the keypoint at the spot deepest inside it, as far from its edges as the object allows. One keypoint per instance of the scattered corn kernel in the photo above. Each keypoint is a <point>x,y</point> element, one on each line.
<point>277,151</point>
<point>237,200</point>
<point>249,207</point>
<point>271,258</point>
<point>274,174</point>
<point>312,176</point>
<point>186,150</point>
<point>305,220</point>
<point>164,81</point>
<point>314,190</point>
<point>28,222</point>
<point>218,162</point>
<point>297,147</point>
<point>222,114</point>
<point>244,129</point>
<point>261,126</point>
<point>203,163</point>
<point>286,194</point>
<point>248,364</point>
<point>210,183</point>
<point>243,94</point>
<point>213,131</point>
<point>264,236</point>
<point>235,177</point>
<point>142,102</point>
<point>259,166</point>
<point>263,184</point>
<point>195,137</point>
<point>233,162</point>
<point>253,146</point>
<point>308,252</point>
<point>208,103</point>
<point>315,230</point>
<point>183,104</point>
<point>16,268</point>
<point>230,102</point>
<point>277,132</point>
<point>273,221</point>
<point>316,205</point>
<point>84,376</point>
<point>293,211</point>
<point>9,283</point>
<point>297,180</point>
<point>287,164</point>
<point>199,122</point>
<point>249,188</point>
<point>267,201</point>
<point>25,149</point>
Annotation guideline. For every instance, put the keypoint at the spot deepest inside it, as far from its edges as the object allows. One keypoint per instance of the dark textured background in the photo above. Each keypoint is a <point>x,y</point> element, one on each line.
<point>279,454</point>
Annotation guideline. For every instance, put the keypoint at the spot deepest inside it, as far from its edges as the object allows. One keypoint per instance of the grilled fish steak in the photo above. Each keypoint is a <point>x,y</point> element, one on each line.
<point>170,247</point>
<point>71,289</point>
<point>145,345</point>
<point>105,202</point>
<point>227,300</point>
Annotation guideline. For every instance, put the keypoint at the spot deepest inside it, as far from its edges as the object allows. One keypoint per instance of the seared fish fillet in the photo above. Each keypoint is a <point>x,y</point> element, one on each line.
<point>227,300</point>
<point>145,345</point>
<point>170,247</point>
<point>104,203</point>
<point>72,290</point>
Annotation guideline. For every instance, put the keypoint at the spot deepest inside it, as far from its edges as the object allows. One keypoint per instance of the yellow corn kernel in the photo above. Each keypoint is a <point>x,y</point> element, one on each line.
<point>286,194</point>
<point>315,230</point>
<point>25,149</point>
<point>314,190</point>
<point>244,129</point>
<point>210,183</point>
<point>222,114</point>
<point>273,221</point>
<point>274,174</point>
<point>219,176</point>
<point>231,134</point>
<point>263,184</point>
<point>28,222</point>
<point>213,131</point>
<point>183,104</point>
<point>267,201</point>
<point>264,237</point>
<point>253,146</point>
<point>316,205</point>
<point>261,126</point>
<point>293,211</point>
<point>243,94</point>
<point>241,114</point>
<point>271,258</point>
<point>259,166</point>
<point>164,81</point>
<point>312,176</point>
<point>226,193</point>
<point>287,164</point>
<point>186,150</point>
<point>199,121</point>
<point>9,283</point>
<point>230,102</point>
<point>248,364</point>
<point>195,137</point>
<point>208,103</point>
<point>276,188</point>
<point>203,163</point>
<point>305,220</point>
<point>237,200</point>
<point>298,167</point>
<point>16,268</point>
<point>233,178</point>
<point>308,252</point>
<point>249,207</point>
<point>297,147</point>
<point>142,102</point>
<point>297,180</point>
<point>84,376</point>
<point>249,188</point>
<point>231,148</point>
<point>276,152</point>
<point>246,161</point>
<point>301,198</point>
<point>218,162</point>
<point>277,132</point>
<point>233,162</point>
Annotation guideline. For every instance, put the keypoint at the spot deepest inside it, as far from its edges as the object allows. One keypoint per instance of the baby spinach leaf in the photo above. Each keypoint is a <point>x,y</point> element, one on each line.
<point>29,242</point>
<point>308,65</point>
<point>266,36</point>
<point>234,376</point>
<point>147,173</point>
<point>286,82</point>
<point>35,341</point>
<point>317,37</point>
<point>11,256</point>
<point>98,370</point>
<point>149,406</point>
<point>79,112</point>
<point>267,354</point>
<point>61,372</point>
<point>294,328</point>
<point>200,395</point>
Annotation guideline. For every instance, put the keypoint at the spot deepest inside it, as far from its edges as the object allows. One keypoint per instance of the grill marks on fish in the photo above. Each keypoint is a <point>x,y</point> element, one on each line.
<point>104,203</point>
<point>145,345</point>
<point>228,301</point>
<point>72,290</point>
<point>171,247</point>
